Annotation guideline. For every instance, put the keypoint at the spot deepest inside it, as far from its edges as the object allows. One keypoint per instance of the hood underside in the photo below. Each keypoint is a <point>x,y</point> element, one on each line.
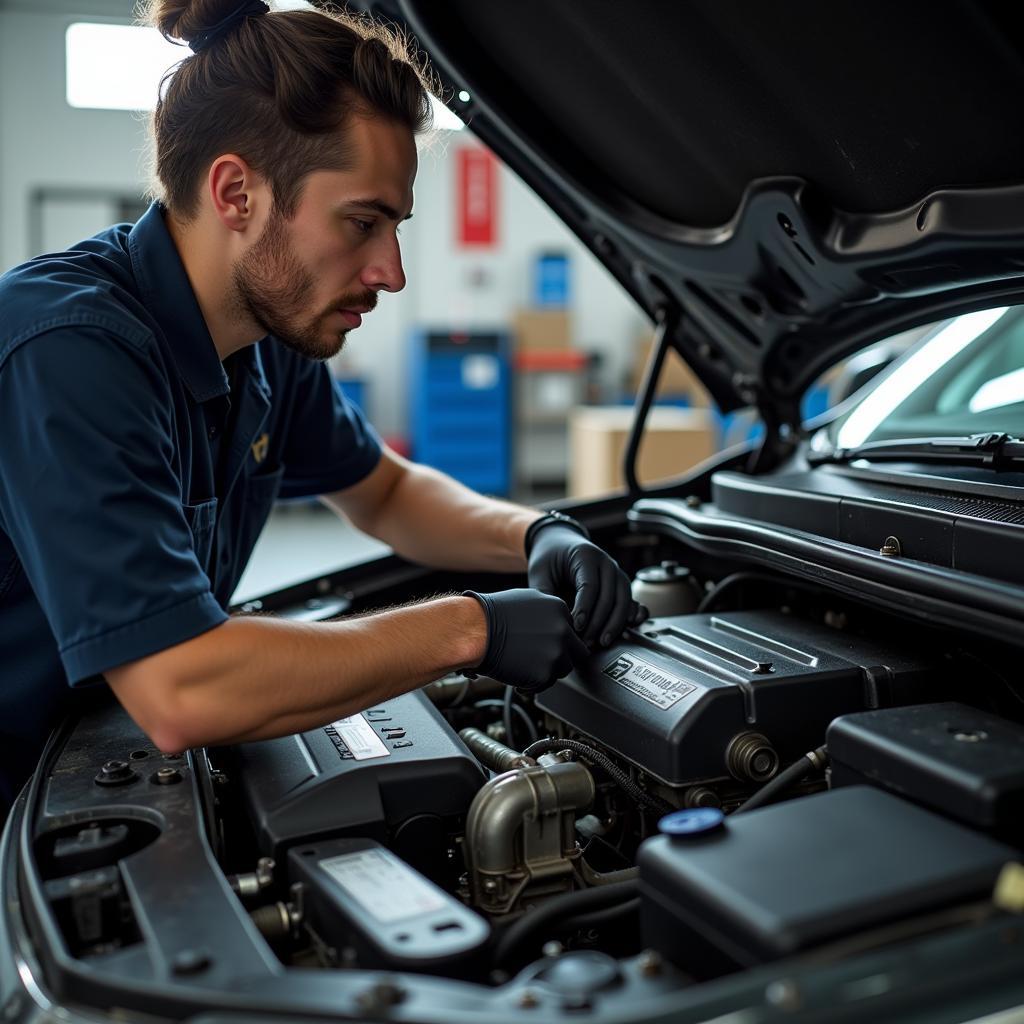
<point>786,182</point>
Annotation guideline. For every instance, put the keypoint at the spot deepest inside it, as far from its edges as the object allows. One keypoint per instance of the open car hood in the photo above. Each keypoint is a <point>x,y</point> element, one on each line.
<point>785,183</point>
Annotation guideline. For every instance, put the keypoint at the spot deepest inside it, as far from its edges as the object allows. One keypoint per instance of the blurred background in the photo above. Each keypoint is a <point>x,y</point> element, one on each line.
<point>511,360</point>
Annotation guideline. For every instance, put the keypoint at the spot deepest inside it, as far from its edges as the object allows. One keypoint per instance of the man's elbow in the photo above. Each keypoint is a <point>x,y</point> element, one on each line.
<point>166,708</point>
<point>171,731</point>
<point>158,712</point>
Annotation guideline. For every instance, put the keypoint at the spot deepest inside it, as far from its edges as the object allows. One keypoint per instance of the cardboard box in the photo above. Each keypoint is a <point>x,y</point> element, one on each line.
<point>676,377</point>
<point>675,440</point>
<point>542,329</point>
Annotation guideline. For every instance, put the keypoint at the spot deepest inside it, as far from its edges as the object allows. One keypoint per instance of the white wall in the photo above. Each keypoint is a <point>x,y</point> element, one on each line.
<point>44,142</point>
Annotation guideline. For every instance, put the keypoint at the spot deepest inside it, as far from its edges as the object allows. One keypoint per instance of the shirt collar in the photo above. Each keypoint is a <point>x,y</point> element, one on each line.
<point>168,295</point>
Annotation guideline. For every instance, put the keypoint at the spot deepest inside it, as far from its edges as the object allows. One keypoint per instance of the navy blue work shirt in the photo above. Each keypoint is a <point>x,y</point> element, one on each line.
<point>136,471</point>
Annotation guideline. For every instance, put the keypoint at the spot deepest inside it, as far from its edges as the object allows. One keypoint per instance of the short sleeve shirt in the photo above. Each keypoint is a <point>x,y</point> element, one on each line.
<point>136,470</point>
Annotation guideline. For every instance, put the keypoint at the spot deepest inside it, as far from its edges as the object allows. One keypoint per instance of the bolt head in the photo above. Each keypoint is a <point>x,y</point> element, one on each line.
<point>115,773</point>
<point>383,994</point>
<point>191,961</point>
<point>784,994</point>
<point>970,735</point>
<point>650,963</point>
<point>528,1000</point>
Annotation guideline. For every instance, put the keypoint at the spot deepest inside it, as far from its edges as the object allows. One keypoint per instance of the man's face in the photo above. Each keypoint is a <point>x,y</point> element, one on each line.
<point>309,279</point>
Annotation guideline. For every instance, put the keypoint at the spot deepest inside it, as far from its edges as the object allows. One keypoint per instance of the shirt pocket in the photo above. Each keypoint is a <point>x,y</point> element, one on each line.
<point>202,519</point>
<point>261,490</point>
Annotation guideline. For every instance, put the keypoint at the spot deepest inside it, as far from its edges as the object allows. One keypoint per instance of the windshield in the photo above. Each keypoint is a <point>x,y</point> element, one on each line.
<point>966,376</point>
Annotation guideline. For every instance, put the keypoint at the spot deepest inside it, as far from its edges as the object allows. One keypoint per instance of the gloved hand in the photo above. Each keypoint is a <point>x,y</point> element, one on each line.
<point>530,639</point>
<point>563,562</point>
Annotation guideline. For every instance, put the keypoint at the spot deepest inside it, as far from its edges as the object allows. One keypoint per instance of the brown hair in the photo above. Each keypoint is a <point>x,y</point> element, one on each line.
<point>278,89</point>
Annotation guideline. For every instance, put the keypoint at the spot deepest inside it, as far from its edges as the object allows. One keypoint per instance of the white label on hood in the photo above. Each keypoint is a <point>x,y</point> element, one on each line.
<point>648,681</point>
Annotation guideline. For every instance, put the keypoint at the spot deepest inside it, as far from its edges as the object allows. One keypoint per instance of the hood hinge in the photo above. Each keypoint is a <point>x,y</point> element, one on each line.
<point>782,432</point>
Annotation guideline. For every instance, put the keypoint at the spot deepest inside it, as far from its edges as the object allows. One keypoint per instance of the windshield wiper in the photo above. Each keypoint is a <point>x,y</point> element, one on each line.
<point>993,450</point>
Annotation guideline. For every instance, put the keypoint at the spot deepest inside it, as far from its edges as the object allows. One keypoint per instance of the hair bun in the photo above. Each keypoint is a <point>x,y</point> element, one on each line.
<point>188,20</point>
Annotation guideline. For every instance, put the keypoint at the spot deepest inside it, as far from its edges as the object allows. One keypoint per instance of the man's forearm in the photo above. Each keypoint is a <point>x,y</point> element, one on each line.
<point>255,678</point>
<point>432,519</point>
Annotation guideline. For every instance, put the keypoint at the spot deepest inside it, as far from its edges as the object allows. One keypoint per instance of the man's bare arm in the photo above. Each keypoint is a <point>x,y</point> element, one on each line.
<point>256,678</point>
<point>432,519</point>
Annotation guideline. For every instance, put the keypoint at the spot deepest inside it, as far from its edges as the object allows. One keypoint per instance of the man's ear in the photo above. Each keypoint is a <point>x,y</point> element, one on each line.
<point>236,192</point>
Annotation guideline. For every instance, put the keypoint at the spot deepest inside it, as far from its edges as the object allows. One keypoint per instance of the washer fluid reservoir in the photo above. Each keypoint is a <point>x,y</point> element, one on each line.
<point>666,589</point>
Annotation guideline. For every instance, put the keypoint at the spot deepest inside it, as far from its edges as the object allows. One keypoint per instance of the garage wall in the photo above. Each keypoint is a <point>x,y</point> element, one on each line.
<point>46,143</point>
<point>43,141</point>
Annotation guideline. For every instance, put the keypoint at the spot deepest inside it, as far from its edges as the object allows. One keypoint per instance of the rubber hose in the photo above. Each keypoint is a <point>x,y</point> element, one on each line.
<point>558,908</point>
<point>789,777</point>
<point>710,599</point>
<point>506,716</point>
<point>597,918</point>
<point>492,702</point>
<point>614,771</point>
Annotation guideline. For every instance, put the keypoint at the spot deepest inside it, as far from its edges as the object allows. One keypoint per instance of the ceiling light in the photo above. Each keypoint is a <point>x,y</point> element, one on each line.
<point>119,67</point>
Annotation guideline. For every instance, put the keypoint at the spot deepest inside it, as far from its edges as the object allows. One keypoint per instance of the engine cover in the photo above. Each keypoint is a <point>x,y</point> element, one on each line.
<point>675,694</point>
<point>397,773</point>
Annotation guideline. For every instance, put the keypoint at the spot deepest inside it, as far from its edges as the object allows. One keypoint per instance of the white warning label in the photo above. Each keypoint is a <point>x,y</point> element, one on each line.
<point>358,735</point>
<point>648,681</point>
<point>383,885</point>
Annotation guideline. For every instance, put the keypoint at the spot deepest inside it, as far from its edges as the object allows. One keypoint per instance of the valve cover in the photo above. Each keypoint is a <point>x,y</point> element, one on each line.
<point>676,693</point>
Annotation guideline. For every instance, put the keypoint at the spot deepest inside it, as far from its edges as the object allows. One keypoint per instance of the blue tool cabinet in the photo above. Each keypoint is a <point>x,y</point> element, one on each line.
<point>461,408</point>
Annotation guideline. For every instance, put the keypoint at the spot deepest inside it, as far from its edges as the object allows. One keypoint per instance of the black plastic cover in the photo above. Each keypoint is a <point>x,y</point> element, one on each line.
<point>796,875</point>
<point>961,761</point>
<point>360,895</point>
<point>963,529</point>
<point>672,696</point>
<point>416,776</point>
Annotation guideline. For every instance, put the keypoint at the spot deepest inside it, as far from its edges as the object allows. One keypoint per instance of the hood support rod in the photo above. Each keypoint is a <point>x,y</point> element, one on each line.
<point>652,374</point>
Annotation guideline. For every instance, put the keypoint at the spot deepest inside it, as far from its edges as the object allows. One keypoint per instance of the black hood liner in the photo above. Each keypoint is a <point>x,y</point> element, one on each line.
<point>680,105</point>
<point>772,171</point>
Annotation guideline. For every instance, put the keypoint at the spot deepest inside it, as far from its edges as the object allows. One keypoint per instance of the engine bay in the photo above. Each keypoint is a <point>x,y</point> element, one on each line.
<point>762,770</point>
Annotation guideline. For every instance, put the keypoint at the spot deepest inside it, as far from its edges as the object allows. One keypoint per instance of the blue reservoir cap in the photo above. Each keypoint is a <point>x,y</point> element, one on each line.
<point>695,821</point>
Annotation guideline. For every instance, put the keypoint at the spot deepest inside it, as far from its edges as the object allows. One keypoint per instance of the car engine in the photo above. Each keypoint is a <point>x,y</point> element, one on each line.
<point>468,830</point>
<point>762,770</point>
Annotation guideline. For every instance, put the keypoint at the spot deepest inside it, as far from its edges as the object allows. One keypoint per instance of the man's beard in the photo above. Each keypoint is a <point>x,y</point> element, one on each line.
<point>273,288</point>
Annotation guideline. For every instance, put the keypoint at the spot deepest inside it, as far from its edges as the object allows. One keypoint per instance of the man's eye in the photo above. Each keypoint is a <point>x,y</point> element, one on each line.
<point>364,227</point>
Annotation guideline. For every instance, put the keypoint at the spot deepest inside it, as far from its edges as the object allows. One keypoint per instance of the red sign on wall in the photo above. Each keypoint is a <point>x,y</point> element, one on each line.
<point>477,198</point>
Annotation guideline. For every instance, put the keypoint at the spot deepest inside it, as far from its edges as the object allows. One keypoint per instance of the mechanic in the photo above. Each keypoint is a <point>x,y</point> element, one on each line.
<point>161,385</point>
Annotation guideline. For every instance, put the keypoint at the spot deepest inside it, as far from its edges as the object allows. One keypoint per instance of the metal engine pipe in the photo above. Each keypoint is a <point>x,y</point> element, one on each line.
<point>520,829</point>
<point>491,752</point>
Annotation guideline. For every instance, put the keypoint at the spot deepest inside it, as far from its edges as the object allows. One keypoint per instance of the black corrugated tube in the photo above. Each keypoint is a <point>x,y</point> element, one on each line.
<point>615,773</point>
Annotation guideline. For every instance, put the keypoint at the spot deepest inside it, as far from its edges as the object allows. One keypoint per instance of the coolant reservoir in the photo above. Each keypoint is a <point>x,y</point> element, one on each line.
<point>666,589</point>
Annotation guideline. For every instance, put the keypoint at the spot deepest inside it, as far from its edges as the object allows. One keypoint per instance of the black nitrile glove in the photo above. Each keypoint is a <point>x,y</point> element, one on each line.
<point>561,561</point>
<point>530,639</point>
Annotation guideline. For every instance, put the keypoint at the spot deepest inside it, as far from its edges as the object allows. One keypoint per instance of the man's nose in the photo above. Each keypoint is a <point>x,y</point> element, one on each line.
<point>385,272</point>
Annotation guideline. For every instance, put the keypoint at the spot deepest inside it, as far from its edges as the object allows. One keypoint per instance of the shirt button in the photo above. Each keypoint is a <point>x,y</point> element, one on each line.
<point>212,433</point>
